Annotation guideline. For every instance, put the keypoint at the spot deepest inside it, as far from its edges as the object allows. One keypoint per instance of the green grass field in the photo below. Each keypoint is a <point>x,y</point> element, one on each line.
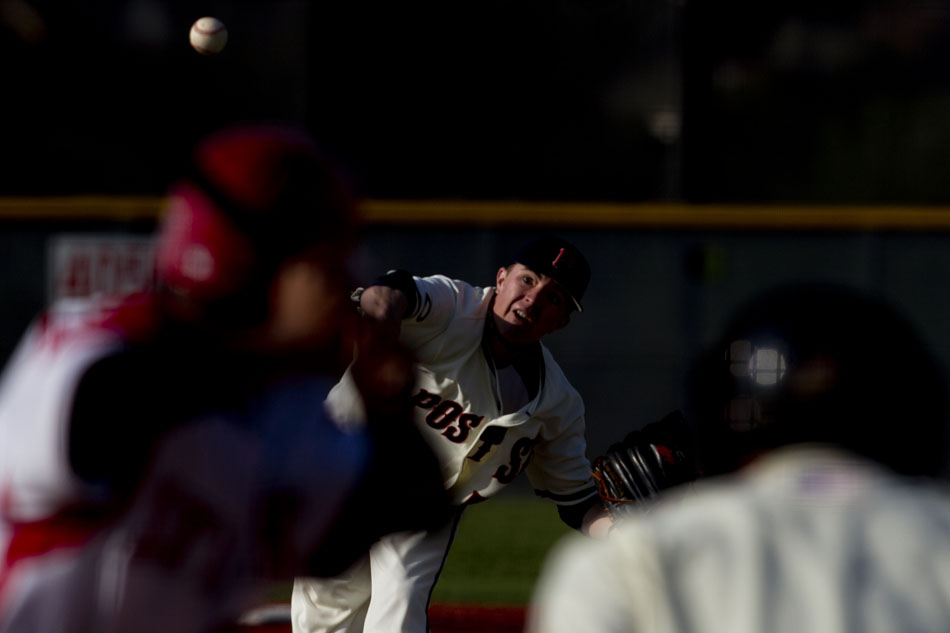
<point>499,550</point>
<point>496,556</point>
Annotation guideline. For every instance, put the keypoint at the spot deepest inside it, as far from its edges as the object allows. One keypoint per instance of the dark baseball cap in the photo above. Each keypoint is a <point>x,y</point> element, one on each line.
<point>560,260</point>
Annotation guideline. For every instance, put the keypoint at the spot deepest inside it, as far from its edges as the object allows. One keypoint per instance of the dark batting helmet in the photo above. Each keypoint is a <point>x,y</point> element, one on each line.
<point>820,363</point>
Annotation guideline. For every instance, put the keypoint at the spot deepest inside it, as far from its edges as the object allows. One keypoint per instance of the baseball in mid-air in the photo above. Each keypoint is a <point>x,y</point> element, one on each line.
<point>208,35</point>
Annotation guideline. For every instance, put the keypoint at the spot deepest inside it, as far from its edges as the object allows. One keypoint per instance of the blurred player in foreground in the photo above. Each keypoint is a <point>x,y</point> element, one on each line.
<point>492,402</point>
<point>821,419</point>
<point>159,451</point>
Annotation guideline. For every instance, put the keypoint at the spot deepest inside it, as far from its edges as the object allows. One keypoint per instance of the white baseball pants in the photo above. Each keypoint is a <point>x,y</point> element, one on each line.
<point>386,591</point>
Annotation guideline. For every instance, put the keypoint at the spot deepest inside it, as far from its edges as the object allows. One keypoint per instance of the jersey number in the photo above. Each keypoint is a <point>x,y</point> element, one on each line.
<point>520,455</point>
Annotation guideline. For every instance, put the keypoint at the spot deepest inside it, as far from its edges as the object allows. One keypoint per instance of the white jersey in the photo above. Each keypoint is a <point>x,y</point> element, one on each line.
<point>459,409</point>
<point>36,395</point>
<point>482,443</point>
<point>806,539</point>
<point>37,484</point>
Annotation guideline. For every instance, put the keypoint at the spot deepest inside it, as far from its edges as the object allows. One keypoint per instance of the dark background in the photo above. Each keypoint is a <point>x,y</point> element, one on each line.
<point>578,100</point>
<point>556,99</point>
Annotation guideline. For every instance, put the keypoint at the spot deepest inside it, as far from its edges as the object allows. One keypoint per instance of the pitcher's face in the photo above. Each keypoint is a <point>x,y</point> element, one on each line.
<point>528,305</point>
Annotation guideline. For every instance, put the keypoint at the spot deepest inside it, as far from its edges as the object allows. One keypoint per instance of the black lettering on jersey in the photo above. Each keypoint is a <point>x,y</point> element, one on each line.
<point>467,422</point>
<point>443,414</point>
<point>447,416</point>
<point>492,436</point>
<point>520,455</point>
<point>425,400</point>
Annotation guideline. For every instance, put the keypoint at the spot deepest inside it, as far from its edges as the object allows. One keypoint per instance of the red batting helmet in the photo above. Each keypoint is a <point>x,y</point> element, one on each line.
<point>255,196</point>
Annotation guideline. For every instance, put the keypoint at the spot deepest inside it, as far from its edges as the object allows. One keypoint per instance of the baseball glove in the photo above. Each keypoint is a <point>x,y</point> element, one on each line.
<point>632,472</point>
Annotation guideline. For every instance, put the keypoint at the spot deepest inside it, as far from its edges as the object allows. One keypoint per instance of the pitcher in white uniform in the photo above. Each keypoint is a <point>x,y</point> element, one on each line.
<point>492,403</point>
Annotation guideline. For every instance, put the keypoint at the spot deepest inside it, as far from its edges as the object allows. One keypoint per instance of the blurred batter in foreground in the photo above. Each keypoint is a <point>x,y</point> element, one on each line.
<point>159,450</point>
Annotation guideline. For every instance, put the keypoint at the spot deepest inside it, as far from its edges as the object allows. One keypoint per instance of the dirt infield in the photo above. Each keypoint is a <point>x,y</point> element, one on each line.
<point>443,618</point>
<point>468,618</point>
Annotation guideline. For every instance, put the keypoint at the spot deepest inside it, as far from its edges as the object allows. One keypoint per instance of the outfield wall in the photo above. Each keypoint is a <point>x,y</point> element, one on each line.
<point>666,276</point>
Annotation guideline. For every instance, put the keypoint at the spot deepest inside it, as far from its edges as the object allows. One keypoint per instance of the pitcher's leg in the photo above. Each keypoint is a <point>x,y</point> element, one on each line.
<point>332,605</point>
<point>405,567</point>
